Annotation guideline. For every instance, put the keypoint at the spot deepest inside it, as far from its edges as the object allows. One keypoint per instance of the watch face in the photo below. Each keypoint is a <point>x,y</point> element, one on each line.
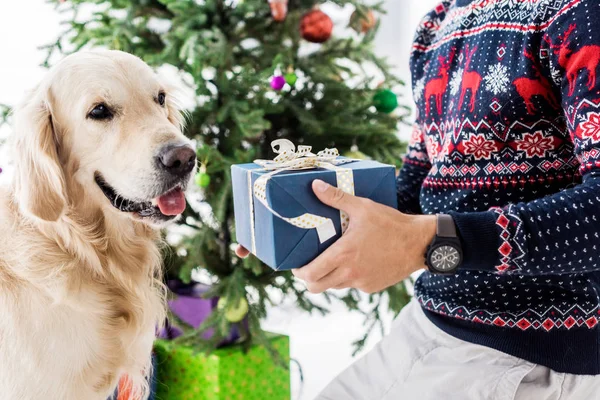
<point>445,258</point>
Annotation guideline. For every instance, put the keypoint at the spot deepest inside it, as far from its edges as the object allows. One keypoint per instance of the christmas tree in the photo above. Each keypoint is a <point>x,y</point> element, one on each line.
<point>4,119</point>
<point>256,77</point>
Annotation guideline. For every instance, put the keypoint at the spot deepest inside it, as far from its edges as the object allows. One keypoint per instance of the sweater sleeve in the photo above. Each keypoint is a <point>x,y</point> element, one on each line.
<point>415,168</point>
<point>559,233</point>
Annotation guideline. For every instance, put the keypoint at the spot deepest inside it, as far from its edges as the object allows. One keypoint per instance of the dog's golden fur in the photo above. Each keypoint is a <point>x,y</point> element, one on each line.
<point>80,288</point>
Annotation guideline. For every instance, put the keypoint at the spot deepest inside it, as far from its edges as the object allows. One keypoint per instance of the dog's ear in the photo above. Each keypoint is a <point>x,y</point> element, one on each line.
<point>39,177</point>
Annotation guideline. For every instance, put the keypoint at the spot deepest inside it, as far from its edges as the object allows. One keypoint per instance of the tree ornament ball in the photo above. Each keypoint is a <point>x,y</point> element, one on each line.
<point>233,313</point>
<point>277,82</point>
<point>361,23</point>
<point>202,179</point>
<point>290,78</point>
<point>279,9</point>
<point>385,101</point>
<point>316,26</point>
<point>357,155</point>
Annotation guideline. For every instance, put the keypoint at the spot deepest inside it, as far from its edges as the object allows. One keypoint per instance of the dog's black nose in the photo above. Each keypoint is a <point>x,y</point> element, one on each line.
<point>178,160</point>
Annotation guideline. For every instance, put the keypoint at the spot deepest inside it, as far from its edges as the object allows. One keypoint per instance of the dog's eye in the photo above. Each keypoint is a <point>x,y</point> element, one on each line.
<point>101,111</point>
<point>161,98</point>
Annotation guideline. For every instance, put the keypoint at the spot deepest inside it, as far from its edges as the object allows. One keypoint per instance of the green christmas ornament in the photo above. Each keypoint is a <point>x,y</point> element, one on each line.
<point>290,78</point>
<point>233,313</point>
<point>202,179</point>
<point>356,154</point>
<point>385,101</point>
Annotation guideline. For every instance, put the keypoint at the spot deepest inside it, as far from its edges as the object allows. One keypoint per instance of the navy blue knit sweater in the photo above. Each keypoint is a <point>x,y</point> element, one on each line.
<point>507,141</point>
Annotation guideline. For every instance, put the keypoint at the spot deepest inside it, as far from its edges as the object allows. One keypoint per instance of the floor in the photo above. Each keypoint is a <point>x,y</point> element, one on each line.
<point>322,345</point>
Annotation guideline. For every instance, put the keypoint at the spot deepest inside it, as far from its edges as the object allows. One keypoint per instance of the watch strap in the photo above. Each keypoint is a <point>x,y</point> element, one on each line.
<point>445,226</point>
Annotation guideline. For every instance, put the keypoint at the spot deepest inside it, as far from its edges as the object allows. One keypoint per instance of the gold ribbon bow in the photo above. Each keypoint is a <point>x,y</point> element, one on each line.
<point>288,159</point>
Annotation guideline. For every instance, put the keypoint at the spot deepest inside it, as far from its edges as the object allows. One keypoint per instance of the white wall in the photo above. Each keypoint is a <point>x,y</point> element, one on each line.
<point>24,26</point>
<point>397,30</point>
<point>395,38</point>
<point>321,344</point>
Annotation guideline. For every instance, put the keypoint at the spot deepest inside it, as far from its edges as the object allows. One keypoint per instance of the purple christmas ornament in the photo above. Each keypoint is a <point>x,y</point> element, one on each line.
<point>277,82</point>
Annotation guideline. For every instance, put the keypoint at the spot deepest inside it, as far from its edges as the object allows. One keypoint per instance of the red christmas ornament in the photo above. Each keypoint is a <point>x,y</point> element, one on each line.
<point>316,26</point>
<point>279,9</point>
<point>361,23</point>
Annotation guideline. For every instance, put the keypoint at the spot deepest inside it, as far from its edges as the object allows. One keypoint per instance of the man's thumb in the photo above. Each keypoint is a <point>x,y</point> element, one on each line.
<point>333,196</point>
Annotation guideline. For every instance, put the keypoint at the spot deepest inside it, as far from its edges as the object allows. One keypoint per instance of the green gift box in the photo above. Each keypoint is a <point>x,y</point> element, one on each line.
<point>183,373</point>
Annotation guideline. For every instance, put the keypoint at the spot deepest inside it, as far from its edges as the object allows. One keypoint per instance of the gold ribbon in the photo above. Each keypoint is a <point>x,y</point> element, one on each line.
<point>289,159</point>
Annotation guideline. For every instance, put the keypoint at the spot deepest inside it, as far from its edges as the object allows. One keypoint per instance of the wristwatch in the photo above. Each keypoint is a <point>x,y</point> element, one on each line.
<point>444,254</point>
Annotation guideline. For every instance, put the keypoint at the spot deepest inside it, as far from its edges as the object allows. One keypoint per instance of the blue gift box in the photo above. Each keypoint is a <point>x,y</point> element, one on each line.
<point>279,244</point>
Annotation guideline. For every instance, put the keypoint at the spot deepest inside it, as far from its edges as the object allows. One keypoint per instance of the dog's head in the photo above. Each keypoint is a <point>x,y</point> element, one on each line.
<point>102,122</point>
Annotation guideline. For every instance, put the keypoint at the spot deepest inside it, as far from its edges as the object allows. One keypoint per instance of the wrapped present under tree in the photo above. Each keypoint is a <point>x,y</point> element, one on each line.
<point>229,373</point>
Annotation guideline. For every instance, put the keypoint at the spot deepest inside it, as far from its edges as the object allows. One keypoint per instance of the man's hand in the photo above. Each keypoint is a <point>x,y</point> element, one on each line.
<point>381,247</point>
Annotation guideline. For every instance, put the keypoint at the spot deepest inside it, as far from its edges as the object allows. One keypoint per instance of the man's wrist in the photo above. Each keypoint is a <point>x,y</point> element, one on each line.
<point>424,229</point>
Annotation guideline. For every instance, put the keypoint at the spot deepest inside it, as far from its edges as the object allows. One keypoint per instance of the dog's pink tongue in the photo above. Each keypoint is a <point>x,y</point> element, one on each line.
<point>172,203</point>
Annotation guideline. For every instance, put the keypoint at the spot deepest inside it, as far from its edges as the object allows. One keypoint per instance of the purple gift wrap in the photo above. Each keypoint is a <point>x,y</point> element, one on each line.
<point>192,308</point>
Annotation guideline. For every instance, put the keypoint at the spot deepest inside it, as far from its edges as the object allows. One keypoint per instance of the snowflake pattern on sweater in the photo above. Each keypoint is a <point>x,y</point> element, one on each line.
<point>507,141</point>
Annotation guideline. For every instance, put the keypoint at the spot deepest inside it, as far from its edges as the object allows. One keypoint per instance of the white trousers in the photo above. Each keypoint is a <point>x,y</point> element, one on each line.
<point>418,361</point>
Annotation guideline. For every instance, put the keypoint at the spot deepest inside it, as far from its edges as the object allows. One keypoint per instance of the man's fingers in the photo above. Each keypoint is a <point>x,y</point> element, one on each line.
<point>343,285</point>
<point>241,251</point>
<point>330,281</point>
<point>319,267</point>
<point>335,197</point>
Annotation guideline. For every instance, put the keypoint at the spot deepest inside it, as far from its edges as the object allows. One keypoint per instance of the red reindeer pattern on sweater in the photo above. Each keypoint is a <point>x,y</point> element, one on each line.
<point>470,80</point>
<point>436,87</point>
<point>539,85</point>
<point>575,62</point>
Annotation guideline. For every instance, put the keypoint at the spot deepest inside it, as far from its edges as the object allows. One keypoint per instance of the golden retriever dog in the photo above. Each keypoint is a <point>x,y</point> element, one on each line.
<point>100,164</point>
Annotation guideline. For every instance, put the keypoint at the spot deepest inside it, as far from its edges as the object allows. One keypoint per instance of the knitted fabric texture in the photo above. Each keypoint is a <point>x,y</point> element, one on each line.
<point>507,141</point>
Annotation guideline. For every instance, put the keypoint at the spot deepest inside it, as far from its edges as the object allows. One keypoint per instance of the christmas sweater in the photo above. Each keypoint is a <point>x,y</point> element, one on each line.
<point>507,141</point>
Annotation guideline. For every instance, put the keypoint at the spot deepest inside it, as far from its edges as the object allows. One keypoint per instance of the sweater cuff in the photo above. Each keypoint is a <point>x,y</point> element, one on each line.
<point>480,240</point>
<point>407,204</point>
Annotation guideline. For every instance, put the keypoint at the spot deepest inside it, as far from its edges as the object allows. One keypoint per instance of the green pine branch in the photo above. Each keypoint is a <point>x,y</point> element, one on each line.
<point>5,113</point>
